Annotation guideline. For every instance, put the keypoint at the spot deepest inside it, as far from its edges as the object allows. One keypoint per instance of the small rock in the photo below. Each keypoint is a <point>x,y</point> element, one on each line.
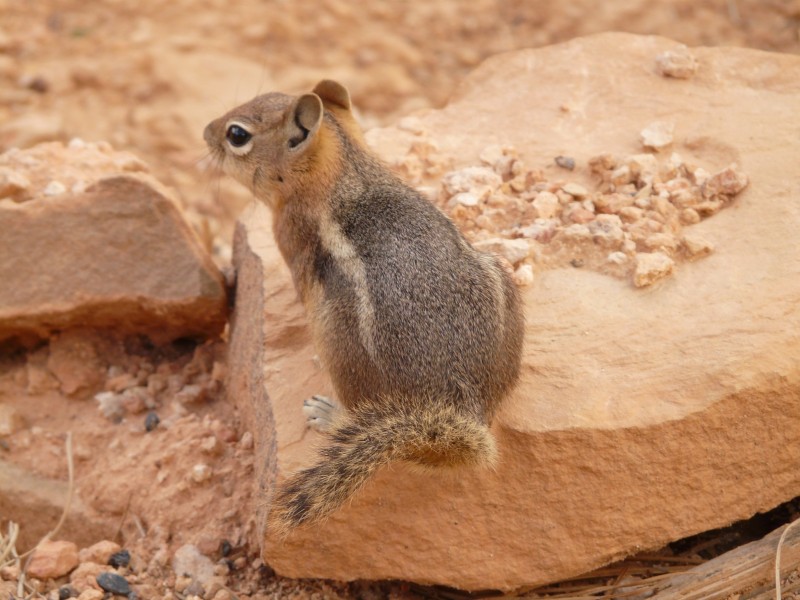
<point>65,592</point>
<point>542,230</point>
<point>121,558</point>
<point>575,190</point>
<point>689,216</point>
<point>481,181</point>
<point>696,246</point>
<point>657,135</point>
<point>621,175</point>
<point>729,182</point>
<point>617,258</point>
<point>577,232</point>
<point>678,63</point>
<point>565,162</point>
<point>98,553</point>
<point>523,276</point>
<point>191,394</point>
<point>464,199</point>
<point>151,421</point>
<point>136,400</point>
<point>547,205</point>
<point>514,251</point>
<point>52,560</point>
<point>121,382</point>
<point>85,576</point>
<point>246,442</point>
<point>650,267</point>
<point>201,473</point>
<point>581,215</point>
<point>54,188</point>
<point>643,167</point>
<point>116,584</point>
<point>491,154</point>
<point>211,445</point>
<point>607,229</point>
<point>11,420</point>
<point>110,405</point>
<point>661,241</point>
<point>188,561</point>
<point>12,183</point>
<point>91,594</point>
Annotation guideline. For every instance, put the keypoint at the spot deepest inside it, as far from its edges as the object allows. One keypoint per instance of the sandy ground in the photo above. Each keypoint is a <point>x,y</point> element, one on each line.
<point>146,76</point>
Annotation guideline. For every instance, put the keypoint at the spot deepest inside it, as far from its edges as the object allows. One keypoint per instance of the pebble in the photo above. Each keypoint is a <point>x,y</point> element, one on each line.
<point>98,553</point>
<point>116,584</point>
<point>565,162</point>
<point>53,559</point>
<point>110,404</point>
<point>65,592</point>
<point>91,594</point>
<point>696,246</point>
<point>191,394</point>
<point>11,420</point>
<point>575,190</point>
<point>122,558</point>
<point>12,182</point>
<point>151,421</point>
<point>618,258</point>
<point>246,443</point>
<point>514,251</point>
<point>201,473</point>
<point>464,199</point>
<point>650,267</point>
<point>523,276</point>
<point>657,135</point>
<point>54,188</point>
<point>188,561</point>
<point>678,63</point>
<point>730,181</point>
<point>547,205</point>
<point>478,180</point>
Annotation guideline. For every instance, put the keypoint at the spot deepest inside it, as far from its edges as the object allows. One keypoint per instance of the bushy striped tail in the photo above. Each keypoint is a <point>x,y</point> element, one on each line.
<point>366,440</point>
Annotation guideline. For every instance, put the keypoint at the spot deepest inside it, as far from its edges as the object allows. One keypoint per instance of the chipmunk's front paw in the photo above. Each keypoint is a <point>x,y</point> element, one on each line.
<point>320,411</point>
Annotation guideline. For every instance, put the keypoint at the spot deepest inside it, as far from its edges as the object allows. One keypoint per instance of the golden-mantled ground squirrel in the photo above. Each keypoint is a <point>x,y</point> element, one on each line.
<point>420,332</point>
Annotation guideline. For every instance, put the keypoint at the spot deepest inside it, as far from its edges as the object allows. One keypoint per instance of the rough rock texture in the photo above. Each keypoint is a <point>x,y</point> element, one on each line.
<point>89,239</point>
<point>643,416</point>
<point>53,559</point>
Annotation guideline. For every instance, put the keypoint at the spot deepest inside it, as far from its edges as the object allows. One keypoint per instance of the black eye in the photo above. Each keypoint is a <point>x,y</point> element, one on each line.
<point>237,136</point>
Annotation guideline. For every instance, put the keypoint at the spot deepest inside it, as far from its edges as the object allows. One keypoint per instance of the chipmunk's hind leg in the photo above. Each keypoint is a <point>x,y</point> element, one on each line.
<point>320,412</point>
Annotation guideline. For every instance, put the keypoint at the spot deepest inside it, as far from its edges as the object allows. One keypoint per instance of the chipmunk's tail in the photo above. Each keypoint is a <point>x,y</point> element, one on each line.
<point>362,442</point>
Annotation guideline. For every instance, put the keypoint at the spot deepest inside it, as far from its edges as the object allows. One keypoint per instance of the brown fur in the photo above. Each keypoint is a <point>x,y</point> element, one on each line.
<point>421,333</point>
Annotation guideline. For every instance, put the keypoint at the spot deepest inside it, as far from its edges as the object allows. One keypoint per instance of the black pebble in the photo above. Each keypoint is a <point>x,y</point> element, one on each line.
<point>111,582</point>
<point>120,559</point>
<point>65,592</point>
<point>151,421</point>
<point>565,162</point>
<point>225,548</point>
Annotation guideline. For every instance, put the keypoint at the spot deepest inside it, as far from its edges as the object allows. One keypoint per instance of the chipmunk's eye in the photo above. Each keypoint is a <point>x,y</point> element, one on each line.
<point>237,136</point>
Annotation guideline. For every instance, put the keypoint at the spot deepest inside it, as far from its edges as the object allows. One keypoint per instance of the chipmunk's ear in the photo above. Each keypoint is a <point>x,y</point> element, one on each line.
<point>303,119</point>
<point>334,93</point>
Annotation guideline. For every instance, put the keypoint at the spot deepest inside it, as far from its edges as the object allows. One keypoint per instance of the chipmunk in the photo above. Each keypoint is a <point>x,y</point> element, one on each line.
<point>421,333</point>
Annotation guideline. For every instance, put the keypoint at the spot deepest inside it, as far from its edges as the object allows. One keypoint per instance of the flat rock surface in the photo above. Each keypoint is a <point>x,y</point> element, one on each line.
<point>643,415</point>
<point>90,239</point>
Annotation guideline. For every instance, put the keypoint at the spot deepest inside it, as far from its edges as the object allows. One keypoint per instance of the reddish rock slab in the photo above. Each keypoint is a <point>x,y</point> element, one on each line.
<point>90,240</point>
<point>643,415</point>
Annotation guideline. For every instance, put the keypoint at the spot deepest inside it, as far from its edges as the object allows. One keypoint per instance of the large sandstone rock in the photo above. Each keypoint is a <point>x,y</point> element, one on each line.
<point>643,415</point>
<point>90,239</point>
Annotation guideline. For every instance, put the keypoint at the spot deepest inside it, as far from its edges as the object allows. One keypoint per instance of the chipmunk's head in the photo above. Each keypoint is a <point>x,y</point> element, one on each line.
<point>271,141</point>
